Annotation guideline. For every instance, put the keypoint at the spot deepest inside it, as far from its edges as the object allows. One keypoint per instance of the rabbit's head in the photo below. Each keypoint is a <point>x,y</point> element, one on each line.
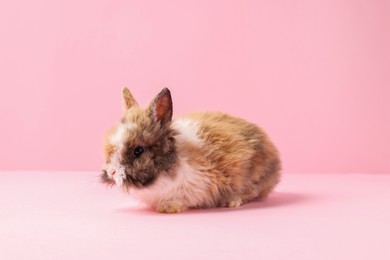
<point>142,146</point>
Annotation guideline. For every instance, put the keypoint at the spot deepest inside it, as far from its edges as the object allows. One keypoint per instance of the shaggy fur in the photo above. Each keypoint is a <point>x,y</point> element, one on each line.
<point>204,159</point>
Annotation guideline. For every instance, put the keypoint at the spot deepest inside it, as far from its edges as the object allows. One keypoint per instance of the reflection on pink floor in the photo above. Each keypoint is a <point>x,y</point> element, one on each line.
<point>69,215</point>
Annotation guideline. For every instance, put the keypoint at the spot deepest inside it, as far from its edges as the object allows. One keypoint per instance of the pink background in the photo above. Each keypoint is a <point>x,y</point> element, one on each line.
<point>314,74</point>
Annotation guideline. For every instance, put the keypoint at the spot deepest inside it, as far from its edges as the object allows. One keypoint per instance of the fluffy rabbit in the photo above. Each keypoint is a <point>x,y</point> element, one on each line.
<point>201,160</point>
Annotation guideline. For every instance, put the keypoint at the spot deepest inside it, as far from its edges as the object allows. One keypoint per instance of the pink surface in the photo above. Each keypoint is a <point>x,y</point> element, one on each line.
<point>68,215</point>
<point>315,74</point>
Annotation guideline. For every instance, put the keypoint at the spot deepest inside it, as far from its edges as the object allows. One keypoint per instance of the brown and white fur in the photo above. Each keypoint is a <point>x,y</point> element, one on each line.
<point>201,160</point>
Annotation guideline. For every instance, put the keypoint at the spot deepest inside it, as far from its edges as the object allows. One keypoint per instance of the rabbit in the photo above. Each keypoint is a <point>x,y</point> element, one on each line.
<point>201,160</point>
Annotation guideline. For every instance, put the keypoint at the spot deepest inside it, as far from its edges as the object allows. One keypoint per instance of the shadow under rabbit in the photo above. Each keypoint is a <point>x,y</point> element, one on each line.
<point>276,199</point>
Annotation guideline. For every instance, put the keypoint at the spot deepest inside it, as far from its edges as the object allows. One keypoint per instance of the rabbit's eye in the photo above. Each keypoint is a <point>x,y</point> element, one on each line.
<point>138,151</point>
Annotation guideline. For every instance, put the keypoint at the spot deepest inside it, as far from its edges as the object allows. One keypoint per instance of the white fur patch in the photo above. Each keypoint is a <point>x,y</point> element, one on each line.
<point>118,137</point>
<point>189,187</point>
<point>188,131</point>
<point>131,126</point>
<point>115,170</point>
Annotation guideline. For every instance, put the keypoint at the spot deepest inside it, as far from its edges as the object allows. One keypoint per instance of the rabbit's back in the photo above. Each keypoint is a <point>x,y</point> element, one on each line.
<point>236,157</point>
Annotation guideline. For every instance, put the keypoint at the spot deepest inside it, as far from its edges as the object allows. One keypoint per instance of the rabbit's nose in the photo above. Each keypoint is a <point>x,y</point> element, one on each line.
<point>111,173</point>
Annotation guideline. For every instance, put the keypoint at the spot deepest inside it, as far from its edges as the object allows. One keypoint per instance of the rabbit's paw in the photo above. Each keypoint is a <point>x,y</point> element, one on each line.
<point>169,207</point>
<point>235,203</point>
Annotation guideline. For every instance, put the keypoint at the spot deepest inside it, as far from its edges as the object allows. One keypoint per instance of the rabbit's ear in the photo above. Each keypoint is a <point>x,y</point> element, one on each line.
<point>161,108</point>
<point>128,100</point>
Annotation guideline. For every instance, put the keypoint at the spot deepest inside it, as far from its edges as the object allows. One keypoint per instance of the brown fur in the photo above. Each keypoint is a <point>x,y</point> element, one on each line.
<point>235,163</point>
<point>241,161</point>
